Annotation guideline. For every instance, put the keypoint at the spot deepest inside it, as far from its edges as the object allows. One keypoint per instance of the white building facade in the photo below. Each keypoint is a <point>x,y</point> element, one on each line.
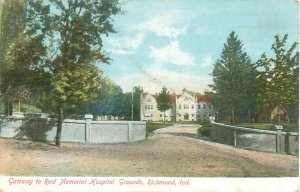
<point>185,107</point>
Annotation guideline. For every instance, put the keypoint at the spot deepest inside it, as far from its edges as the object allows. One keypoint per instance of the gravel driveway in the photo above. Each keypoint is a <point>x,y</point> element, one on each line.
<point>189,130</point>
<point>172,151</point>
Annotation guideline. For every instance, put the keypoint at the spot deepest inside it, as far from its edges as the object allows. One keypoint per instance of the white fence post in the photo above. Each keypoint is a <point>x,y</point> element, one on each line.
<point>278,137</point>
<point>88,127</point>
<point>234,136</point>
<point>129,131</point>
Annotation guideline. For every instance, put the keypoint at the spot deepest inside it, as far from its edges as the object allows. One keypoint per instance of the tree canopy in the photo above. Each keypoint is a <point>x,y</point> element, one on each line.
<point>278,77</point>
<point>111,102</point>
<point>72,32</point>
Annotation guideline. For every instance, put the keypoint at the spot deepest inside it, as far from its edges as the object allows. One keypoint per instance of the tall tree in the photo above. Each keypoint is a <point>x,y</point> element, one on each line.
<point>164,101</point>
<point>12,24</point>
<point>278,78</point>
<point>18,55</point>
<point>74,31</point>
<point>234,80</point>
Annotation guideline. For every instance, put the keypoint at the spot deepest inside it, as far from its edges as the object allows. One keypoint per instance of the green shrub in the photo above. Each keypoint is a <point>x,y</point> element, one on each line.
<point>204,130</point>
<point>201,122</point>
<point>204,122</point>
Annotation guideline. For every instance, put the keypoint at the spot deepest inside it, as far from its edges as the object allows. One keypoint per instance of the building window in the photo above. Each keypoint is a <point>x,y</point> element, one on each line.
<point>199,107</point>
<point>151,115</point>
<point>204,106</point>
<point>160,115</point>
<point>192,115</point>
<point>186,106</point>
<point>179,106</point>
<point>145,106</point>
<point>149,100</point>
<point>192,106</point>
<point>151,106</point>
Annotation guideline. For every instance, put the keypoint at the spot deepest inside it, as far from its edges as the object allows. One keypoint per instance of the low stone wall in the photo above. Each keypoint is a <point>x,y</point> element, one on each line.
<point>263,140</point>
<point>44,129</point>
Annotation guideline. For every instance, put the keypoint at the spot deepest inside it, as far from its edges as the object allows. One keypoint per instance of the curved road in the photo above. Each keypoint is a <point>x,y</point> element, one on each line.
<point>189,130</point>
<point>172,151</point>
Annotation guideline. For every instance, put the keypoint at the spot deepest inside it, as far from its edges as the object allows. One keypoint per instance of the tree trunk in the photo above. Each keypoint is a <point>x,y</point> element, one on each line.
<point>232,115</point>
<point>249,115</point>
<point>59,126</point>
<point>8,108</point>
<point>19,108</point>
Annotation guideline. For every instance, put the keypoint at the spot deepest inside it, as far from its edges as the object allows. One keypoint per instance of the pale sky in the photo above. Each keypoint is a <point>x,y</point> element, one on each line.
<point>174,43</point>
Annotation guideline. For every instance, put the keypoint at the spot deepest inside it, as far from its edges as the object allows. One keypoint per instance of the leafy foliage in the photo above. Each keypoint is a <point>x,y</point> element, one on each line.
<point>112,101</point>
<point>73,33</point>
<point>278,78</point>
<point>19,56</point>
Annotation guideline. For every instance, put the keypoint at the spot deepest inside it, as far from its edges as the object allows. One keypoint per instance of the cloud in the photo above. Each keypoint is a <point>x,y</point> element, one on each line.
<point>153,79</point>
<point>163,25</point>
<point>176,81</point>
<point>207,61</point>
<point>201,31</point>
<point>172,53</point>
<point>168,24</point>
<point>125,45</point>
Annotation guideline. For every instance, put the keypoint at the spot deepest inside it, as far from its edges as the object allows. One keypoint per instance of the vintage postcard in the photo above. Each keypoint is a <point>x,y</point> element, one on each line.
<point>161,95</point>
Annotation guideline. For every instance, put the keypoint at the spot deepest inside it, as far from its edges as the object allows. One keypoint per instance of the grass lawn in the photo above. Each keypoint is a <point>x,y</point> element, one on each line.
<point>290,127</point>
<point>152,126</point>
<point>200,122</point>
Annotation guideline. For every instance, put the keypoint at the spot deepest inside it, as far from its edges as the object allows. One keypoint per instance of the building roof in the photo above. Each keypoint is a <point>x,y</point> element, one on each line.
<point>199,97</point>
<point>204,98</point>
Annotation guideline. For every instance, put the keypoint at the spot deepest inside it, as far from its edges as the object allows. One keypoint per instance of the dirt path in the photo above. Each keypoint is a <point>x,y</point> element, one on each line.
<point>188,130</point>
<point>171,151</point>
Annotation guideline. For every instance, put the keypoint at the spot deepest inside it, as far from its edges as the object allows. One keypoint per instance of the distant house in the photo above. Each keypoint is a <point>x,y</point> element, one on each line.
<point>185,107</point>
<point>279,114</point>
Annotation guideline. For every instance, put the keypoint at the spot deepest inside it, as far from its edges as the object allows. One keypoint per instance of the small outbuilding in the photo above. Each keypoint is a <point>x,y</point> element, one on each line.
<point>279,114</point>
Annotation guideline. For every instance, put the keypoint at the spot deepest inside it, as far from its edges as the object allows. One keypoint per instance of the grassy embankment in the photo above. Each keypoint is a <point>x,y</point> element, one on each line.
<point>152,126</point>
<point>287,127</point>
